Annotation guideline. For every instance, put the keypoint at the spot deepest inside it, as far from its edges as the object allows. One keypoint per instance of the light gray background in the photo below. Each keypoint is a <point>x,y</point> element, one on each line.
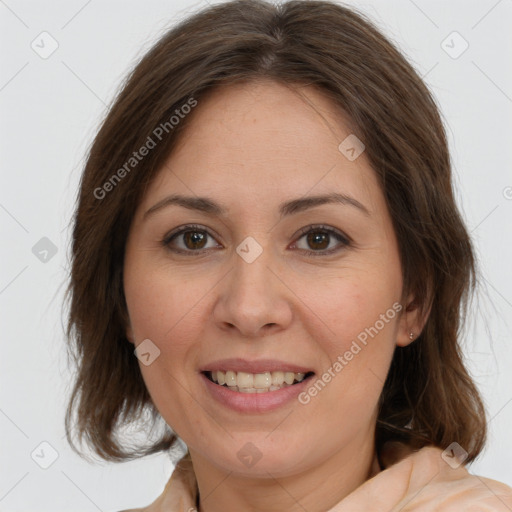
<point>50,110</point>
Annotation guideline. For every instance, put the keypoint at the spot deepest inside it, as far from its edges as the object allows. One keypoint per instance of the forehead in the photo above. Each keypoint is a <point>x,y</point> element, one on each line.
<point>261,142</point>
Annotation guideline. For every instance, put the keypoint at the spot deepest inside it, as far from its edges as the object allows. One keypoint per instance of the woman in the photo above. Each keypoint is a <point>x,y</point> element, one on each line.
<point>267,254</point>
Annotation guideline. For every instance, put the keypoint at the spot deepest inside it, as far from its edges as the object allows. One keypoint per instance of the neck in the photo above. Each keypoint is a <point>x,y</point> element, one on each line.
<point>317,489</point>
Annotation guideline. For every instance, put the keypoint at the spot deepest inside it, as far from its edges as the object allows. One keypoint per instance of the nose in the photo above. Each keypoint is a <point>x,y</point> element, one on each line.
<point>253,299</point>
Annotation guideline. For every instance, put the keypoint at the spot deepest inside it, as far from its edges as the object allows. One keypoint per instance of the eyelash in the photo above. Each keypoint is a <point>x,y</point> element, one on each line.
<point>340,237</point>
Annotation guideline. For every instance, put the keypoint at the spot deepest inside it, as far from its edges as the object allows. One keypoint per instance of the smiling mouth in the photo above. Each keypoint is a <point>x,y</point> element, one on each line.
<point>244,382</point>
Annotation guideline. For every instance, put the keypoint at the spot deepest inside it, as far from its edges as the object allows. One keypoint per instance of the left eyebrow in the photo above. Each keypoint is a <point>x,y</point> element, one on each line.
<point>304,203</point>
<point>207,205</point>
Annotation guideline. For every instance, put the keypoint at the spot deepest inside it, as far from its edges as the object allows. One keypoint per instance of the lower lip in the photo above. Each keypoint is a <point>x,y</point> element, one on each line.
<point>254,402</point>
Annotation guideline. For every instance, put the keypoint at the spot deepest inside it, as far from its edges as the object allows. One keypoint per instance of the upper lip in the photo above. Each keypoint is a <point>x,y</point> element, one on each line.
<point>256,366</point>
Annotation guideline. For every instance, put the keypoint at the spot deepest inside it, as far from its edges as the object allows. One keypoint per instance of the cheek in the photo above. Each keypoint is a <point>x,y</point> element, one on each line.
<point>357,336</point>
<point>354,304</point>
<point>162,305</point>
<point>166,311</point>
<point>362,319</point>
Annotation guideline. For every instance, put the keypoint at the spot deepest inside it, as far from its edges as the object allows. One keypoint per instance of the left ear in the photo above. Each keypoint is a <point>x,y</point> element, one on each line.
<point>411,321</point>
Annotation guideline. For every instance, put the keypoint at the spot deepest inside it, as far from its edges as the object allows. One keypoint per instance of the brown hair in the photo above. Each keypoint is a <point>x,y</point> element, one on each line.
<point>428,397</point>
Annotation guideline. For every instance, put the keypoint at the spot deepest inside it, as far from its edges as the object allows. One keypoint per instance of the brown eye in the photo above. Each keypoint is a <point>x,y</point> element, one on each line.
<point>194,239</point>
<point>319,239</point>
<point>189,239</point>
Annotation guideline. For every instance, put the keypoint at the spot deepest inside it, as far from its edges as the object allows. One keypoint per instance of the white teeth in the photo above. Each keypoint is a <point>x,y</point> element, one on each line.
<point>262,380</point>
<point>277,378</point>
<point>244,380</point>
<point>289,377</point>
<point>255,383</point>
<point>230,378</point>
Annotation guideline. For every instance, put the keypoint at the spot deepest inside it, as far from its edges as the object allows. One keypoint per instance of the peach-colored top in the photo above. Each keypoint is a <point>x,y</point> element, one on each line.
<point>181,492</point>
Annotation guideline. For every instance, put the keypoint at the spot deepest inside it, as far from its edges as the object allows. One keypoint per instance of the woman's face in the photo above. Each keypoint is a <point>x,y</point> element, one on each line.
<point>241,285</point>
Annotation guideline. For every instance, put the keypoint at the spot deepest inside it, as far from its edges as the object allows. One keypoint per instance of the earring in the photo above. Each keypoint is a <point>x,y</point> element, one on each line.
<point>411,335</point>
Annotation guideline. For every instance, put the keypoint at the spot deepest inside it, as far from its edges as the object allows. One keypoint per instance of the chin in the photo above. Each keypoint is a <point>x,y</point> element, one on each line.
<point>257,456</point>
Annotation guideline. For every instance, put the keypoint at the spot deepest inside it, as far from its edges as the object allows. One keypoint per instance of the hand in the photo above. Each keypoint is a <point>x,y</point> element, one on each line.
<point>423,482</point>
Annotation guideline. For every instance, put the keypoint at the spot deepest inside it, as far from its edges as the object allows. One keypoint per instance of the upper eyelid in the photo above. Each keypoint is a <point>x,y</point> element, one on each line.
<point>183,229</point>
<point>320,227</point>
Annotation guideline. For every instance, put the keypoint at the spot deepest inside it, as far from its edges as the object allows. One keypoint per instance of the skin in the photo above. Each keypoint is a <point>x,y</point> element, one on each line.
<point>251,147</point>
